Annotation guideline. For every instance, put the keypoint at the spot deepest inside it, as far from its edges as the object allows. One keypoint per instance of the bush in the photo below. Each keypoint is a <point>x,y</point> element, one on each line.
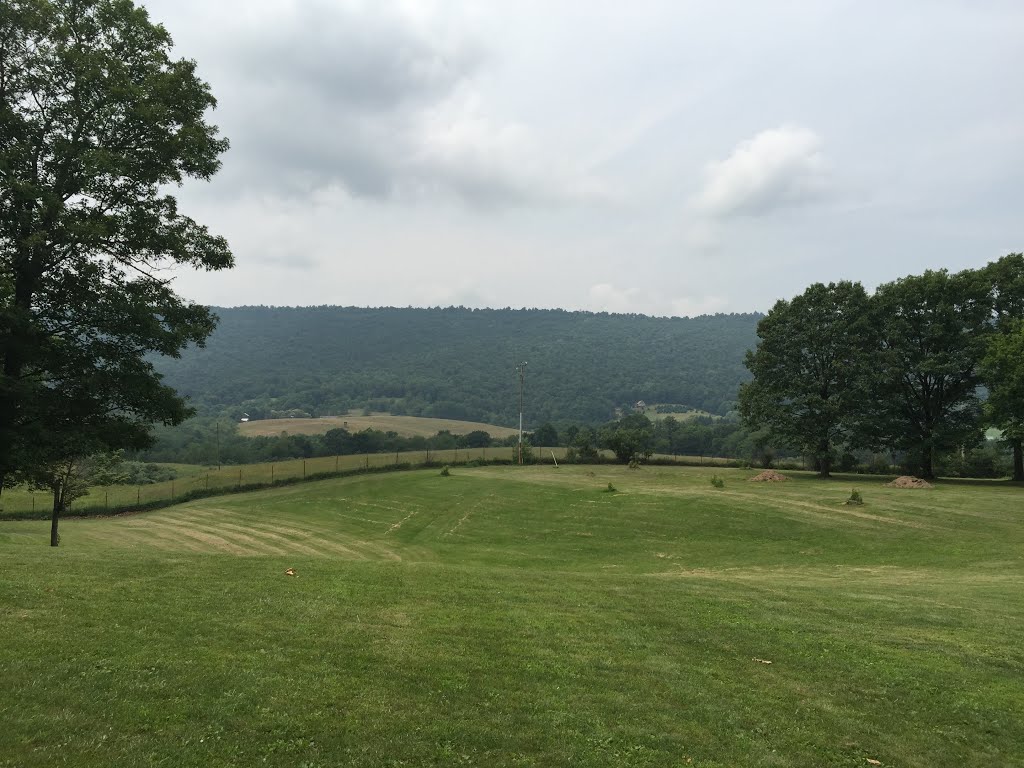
<point>610,489</point>
<point>717,481</point>
<point>855,498</point>
<point>445,472</point>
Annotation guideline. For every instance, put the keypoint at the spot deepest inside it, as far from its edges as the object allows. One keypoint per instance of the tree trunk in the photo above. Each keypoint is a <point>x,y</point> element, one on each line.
<point>1018,460</point>
<point>58,502</point>
<point>927,472</point>
<point>824,460</point>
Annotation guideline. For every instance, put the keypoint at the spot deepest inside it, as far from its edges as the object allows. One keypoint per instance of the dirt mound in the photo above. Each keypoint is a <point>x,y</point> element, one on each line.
<point>768,476</point>
<point>907,481</point>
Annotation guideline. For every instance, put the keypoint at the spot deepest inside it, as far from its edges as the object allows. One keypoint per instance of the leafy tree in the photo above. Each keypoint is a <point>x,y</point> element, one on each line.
<point>1003,372</point>
<point>70,477</point>
<point>811,371</point>
<point>925,393</point>
<point>545,434</point>
<point>478,438</point>
<point>96,120</point>
<point>629,438</point>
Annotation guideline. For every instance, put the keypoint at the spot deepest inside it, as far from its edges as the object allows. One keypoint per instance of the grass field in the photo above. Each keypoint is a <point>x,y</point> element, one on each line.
<point>192,477</point>
<point>405,426</point>
<point>509,616</point>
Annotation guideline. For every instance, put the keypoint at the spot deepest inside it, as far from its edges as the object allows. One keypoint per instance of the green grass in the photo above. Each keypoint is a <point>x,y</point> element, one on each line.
<point>509,616</point>
<point>191,477</point>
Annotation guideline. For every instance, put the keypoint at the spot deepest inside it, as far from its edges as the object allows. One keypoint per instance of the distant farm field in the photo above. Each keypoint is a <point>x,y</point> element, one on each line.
<point>523,616</point>
<point>405,426</point>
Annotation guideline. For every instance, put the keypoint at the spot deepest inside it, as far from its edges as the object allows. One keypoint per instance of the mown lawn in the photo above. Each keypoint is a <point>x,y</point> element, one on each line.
<point>509,616</point>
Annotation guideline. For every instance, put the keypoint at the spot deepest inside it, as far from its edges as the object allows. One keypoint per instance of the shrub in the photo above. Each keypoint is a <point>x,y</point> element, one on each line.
<point>717,481</point>
<point>855,498</point>
<point>610,489</point>
<point>445,472</point>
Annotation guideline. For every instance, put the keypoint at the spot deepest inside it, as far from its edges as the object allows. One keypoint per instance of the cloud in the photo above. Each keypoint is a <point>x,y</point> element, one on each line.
<point>382,102</point>
<point>778,168</point>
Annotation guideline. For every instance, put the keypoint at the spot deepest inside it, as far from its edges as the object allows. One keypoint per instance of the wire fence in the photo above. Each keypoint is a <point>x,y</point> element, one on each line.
<point>21,502</point>
<point>194,482</point>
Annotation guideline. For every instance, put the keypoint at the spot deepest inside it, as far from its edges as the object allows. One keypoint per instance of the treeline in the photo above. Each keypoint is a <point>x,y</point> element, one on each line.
<point>209,441</point>
<point>633,437</point>
<point>460,363</point>
<point>917,370</point>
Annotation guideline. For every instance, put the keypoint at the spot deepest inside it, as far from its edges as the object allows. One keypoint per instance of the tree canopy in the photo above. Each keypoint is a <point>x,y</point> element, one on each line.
<point>810,370</point>
<point>96,120</point>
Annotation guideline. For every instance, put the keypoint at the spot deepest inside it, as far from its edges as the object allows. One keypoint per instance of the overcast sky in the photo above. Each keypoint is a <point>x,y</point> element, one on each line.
<point>668,158</point>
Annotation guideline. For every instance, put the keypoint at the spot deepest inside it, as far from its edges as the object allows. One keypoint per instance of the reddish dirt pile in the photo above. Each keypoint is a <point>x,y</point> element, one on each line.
<point>907,481</point>
<point>768,476</point>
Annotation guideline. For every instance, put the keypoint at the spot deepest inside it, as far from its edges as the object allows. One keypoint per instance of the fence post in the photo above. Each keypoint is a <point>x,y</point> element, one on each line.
<point>239,477</point>
<point>335,463</point>
<point>138,495</point>
<point>303,469</point>
<point>106,500</point>
<point>271,474</point>
<point>172,488</point>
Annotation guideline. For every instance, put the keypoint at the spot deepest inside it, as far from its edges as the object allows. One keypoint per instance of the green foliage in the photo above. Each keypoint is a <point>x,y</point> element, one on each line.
<point>855,498</point>
<point>717,481</point>
<point>1002,367</point>
<point>630,438</point>
<point>926,375</point>
<point>611,489</point>
<point>452,362</point>
<point>811,370</point>
<point>96,123</point>
<point>445,472</point>
<point>545,435</point>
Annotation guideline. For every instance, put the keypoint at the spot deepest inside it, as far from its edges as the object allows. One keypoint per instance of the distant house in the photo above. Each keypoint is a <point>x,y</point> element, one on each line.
<point>640,406</point>
<point>245,417</point>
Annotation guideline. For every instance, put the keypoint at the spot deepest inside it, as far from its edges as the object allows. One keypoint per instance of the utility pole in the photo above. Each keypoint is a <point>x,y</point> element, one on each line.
<point>521,370</point>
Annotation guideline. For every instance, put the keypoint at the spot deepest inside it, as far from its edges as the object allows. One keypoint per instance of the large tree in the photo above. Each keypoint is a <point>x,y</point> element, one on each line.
<point>1003,366</point>
<point>933,329</point>
<point>96,121</point>
<point>1003,371</point>
<point>811,371</point>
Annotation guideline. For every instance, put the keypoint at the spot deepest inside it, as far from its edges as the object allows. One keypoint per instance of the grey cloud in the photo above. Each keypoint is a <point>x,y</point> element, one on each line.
<point>368,101</point>
<point>368,60</point>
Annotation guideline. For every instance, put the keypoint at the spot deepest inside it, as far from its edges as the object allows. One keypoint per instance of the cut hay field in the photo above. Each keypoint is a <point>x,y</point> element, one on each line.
<point>405,426</point>
<point>508,616</point>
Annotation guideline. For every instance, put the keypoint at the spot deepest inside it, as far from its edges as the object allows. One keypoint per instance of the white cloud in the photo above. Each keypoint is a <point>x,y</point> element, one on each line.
<point>778,168</point>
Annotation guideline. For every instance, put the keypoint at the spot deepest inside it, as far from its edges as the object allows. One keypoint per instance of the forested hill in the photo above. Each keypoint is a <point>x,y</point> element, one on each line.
<point>460,363</point>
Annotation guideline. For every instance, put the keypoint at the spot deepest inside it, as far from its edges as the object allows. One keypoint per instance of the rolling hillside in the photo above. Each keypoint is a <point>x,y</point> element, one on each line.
<point>458,363</point>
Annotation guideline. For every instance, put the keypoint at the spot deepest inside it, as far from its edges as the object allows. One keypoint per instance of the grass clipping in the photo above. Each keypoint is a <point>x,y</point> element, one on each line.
<point>769,476</point>
<point>908,481</point>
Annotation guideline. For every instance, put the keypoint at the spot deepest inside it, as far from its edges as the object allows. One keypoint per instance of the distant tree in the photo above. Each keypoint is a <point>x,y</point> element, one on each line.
<point>924,396</point>
<point>585,443</point>
<point>545,435</point>
<point>477,439</point>
<point>630,438</point>
<point>669,428</point>
<point>96,122</point>
<point>811,371</point>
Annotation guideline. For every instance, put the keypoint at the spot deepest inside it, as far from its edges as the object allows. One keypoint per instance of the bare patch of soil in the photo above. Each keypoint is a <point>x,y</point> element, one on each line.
<point>769,476</point>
